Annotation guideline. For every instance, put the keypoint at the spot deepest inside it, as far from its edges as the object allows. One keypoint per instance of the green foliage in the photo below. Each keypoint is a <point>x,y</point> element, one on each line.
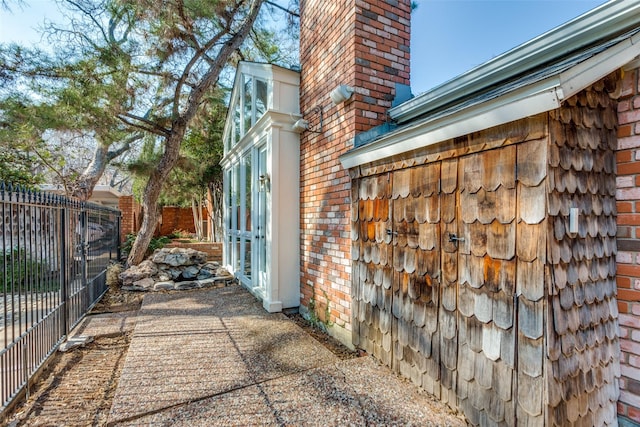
<point>314,319</point>
<point>199,162</point>
<point>126,67</point>
<point>20,272</point>
<point>156,243</point>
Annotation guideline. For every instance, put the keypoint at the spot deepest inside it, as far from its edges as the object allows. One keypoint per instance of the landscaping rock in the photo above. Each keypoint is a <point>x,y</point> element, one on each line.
<point>174,269</point>
<point>181,286</point>
<point>164,286</point>
<point>73,342</point>
<point>179,256</point>
<point>204,274</point>
<point>190,272</point>
<point>137,272</point>
<point>164,277</point>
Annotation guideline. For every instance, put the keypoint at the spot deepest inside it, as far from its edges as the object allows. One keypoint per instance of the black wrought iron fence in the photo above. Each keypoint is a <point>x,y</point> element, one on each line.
<point>55,252</point>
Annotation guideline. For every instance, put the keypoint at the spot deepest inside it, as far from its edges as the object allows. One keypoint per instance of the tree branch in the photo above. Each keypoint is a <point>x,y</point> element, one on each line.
<point>282,8</point>
<point>155,129</point>
<point>125,147</point>
<point>91,17</point>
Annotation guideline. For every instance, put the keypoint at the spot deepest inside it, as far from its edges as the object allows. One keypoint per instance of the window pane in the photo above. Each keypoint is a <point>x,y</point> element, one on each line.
<point>261,98</point>
<point>248,94</point>
<point>236,197</point>
<point>228,198</point>
<point>247,192</point>
<point>246,268</point>
<point>236,125</point>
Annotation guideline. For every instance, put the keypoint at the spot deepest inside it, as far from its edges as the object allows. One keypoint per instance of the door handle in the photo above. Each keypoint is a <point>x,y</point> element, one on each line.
<point>391,232</point>
<point>455,239</point>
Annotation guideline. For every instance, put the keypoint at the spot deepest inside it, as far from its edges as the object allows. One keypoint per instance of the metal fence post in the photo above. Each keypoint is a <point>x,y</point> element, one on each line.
<point>84,247</point>
<point>119,239</point>
<point>64,265</point>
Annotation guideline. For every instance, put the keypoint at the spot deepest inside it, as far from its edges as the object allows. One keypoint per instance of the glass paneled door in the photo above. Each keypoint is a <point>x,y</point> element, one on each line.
<point>260,235</point>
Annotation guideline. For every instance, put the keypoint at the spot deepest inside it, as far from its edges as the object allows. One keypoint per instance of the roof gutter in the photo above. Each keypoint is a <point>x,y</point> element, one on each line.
<point>527,101</point>
<point>610,19</point>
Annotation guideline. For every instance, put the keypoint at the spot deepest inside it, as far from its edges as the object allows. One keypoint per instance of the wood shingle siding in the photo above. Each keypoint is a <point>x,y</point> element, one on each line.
<point>467,280</point>
<point>583,347</point>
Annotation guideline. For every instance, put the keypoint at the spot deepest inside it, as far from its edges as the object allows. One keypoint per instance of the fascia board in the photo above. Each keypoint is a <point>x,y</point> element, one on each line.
<point>593,69</point>
<point>597,24</point>
<point>535,99</point>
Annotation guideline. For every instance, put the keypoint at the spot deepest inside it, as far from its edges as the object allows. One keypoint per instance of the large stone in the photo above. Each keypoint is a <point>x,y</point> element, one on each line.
<point>164,286</point>
<point>190,272</point>
<point>174,269</point>
<point>138,272</point>
<point>176,257</point>
<point>181,286</point>
<point>145,283</point>
<point>204,274</point>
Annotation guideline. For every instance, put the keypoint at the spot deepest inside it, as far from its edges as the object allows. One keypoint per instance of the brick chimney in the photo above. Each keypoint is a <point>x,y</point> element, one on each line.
<point>363,44</point>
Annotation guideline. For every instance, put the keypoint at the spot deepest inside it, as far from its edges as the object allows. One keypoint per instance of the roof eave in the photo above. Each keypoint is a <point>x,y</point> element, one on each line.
<point>605,21</point>
<point>524,102</point>
<point>508,108</point>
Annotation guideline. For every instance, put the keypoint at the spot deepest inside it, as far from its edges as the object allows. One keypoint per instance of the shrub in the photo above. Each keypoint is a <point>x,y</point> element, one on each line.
<point>113,271</point>
<point>156,243</point>
<point>19,272</point>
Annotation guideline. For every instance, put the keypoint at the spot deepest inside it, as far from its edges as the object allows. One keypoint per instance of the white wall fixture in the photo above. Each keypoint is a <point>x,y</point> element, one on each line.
<point>573,220</point>
<point>300,125</point>
<point>341,94</point>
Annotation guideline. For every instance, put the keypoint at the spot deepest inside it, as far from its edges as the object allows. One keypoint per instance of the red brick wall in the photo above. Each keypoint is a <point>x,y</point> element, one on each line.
<point>628,258</point>
<point>363,44</point>
<point>175,218</point>
<point>131,212</point>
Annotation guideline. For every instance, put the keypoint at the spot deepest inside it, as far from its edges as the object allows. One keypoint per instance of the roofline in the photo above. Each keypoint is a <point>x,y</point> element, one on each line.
<point>100,187</point>
<point>270,118</point>
<point>605,21</point>
<point>535,98</point>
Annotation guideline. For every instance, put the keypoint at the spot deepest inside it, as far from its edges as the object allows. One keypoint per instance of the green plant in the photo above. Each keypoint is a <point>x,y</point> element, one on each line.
<point>180,234</point>
<point>314,319</point>
<point>20,272</point>
<point>156,243</point>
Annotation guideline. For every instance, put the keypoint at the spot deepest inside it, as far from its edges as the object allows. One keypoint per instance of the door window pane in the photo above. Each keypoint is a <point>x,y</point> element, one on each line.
<point>246,271</point>
<point>247,192</point>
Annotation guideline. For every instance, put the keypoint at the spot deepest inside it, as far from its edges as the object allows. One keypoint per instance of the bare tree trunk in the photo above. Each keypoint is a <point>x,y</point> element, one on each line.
<point>215,215</point>
<point>152,193</point>
<point>196,208</point>
<point>83,186</point>
<point>178,129</point>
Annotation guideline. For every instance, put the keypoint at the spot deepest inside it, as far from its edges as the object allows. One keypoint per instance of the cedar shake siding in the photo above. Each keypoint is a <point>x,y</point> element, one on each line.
<point>467,281</point>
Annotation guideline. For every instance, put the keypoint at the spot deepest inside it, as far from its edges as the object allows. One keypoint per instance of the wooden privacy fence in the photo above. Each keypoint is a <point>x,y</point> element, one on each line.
<point>55,252</point>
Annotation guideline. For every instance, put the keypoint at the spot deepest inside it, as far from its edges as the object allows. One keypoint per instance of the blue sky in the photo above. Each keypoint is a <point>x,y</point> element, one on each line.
<point>448,37</point>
